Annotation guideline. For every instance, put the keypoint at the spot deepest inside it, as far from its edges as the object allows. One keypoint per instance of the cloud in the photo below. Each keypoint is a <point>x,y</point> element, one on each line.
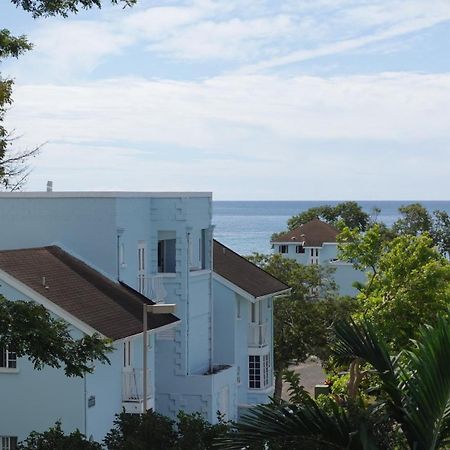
<point>256,34</point>
<point>274,133</point>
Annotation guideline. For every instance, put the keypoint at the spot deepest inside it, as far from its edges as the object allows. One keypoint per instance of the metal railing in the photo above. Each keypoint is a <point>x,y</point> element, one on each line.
<point>258,335</point>
<point>132,385</point>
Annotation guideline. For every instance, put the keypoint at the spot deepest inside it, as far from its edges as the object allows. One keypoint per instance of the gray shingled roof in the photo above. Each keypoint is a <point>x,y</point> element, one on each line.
<point>244,274</point>
<point>313,233</point>
<point>113,309</point>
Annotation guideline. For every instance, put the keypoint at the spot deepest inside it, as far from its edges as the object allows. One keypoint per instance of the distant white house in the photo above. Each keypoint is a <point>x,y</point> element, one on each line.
<point>315,242</point>
<point>94,260</point>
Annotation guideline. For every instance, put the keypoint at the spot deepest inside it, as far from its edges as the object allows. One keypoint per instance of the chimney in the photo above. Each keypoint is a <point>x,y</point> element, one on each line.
<point>49,186</point>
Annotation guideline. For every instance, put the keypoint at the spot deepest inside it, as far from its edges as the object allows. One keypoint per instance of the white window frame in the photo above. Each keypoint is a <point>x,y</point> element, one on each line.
<point>314,253</point>
<point>9,360</point>
<point>142,263</point>
<point>127,361</point>
<point>282,248</point>
<point>299,249</point>
<point>8,442</point>
<point>259,371</point>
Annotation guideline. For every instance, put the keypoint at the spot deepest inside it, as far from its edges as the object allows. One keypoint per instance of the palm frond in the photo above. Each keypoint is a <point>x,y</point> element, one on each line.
<point>292,424</point>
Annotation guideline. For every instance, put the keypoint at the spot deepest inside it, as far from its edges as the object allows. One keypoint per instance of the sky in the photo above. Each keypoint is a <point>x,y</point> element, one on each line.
<point>249,99</point>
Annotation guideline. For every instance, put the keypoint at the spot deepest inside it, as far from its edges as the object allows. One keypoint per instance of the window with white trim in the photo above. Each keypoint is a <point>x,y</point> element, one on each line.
<point>259,371</point>
<point>299,249</point>
<point>8,442</point>
<point>314,255</point>
<point>8,359</point>
<point>141,255</point>
<point>282,248</point>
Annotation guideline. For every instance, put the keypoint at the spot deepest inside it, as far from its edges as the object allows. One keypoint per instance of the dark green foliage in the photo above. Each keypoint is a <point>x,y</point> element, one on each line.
<point>152,431</point>
<point>149,431</point>
<point>409,411</point>
<point>349,214</point>
<point>29,329</point>
<point>62,7</point>
<point>55,439</point>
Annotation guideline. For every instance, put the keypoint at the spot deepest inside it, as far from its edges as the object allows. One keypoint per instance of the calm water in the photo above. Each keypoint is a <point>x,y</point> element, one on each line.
<point>246,226</point>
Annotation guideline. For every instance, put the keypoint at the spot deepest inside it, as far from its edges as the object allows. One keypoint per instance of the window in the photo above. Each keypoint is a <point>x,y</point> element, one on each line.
<point>299,249</point>
<point>141,266</point>
<point>166,251</point>
<point>314,255</point>
<point>238,308</point>
<point>254,372</point>
<point>203,249</point>
<point>122,254</point>
<point>8,442</point>
<point>259,371</point>
<point>238,375</point>
<point>8,359</point>
<point>255,313</point>
<point>266,369</point>
<point>127,353</point>
<point>282,248</point>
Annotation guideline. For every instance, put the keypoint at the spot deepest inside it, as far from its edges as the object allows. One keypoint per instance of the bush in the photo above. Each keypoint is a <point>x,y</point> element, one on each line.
<point>55,439</point>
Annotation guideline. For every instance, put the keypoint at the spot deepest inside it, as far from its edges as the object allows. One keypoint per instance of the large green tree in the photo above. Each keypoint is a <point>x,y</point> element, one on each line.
<point>302,320</point>
<point>408,281</point>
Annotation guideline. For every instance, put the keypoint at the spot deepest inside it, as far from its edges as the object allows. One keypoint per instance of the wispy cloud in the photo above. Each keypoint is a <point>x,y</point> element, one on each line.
<point>333,126</point>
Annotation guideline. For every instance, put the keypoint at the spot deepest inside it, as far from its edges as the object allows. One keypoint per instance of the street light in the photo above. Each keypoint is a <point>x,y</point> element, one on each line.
<point>159,308</point>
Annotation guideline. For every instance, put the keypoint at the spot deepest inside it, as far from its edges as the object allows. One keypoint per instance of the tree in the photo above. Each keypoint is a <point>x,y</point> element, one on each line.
<point>441,231</point>
<point>29,330</point>
<point>414,220</point>
<point>55,439</point>
<point>47,8</point>
<point>303,320</point>
<point>153,431</point>
<point>349,213</point>
<point>407,279</point>
<point>411,402</point>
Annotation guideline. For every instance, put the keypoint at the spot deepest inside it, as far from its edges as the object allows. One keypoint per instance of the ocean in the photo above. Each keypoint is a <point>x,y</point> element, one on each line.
<point>246,226</point>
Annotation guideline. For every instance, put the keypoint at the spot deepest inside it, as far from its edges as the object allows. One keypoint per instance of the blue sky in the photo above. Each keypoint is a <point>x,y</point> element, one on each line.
<point>250,99</point>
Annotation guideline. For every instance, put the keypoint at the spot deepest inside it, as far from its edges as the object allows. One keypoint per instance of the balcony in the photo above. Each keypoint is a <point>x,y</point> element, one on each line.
<point>258,335</point>
<point>152,286</point>
<point>133,390</point>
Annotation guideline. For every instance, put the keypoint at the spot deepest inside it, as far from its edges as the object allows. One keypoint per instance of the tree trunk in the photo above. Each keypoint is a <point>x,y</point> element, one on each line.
<point>278,385</point>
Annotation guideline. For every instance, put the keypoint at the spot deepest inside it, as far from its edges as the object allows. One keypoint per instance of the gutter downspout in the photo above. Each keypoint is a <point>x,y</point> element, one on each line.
<point>211,299</point>
<point>188,276</point>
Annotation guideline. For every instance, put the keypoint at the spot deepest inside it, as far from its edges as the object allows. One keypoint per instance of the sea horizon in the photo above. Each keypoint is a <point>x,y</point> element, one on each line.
<point>247,225</point>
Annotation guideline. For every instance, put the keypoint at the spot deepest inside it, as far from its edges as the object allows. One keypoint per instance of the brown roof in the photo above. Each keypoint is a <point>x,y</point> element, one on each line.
<point>313,233</point>
<point>244,274</point>
<point>113,309</point>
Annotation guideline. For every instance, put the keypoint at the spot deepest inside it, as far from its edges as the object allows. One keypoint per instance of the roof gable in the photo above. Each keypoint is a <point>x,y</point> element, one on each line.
<point>312,234</point>
<point>110,308</point>
<point>244,274</point>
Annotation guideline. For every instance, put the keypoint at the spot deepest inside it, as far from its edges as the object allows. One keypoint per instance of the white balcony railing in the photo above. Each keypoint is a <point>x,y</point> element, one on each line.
<point>258,335</point>
<point>152,286</point>
<point>133,385</point>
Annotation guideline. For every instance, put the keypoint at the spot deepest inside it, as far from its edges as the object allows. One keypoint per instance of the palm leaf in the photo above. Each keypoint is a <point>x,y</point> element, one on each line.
<point>293,424</point>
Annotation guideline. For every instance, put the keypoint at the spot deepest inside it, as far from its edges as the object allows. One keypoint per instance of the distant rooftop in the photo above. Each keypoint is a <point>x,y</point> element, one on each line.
<point>114,310</point>
<point>244,274</point>
<point>311,234</point>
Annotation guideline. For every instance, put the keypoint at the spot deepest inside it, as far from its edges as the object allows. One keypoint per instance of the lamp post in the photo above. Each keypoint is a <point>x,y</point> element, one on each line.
<point>159,308</point>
